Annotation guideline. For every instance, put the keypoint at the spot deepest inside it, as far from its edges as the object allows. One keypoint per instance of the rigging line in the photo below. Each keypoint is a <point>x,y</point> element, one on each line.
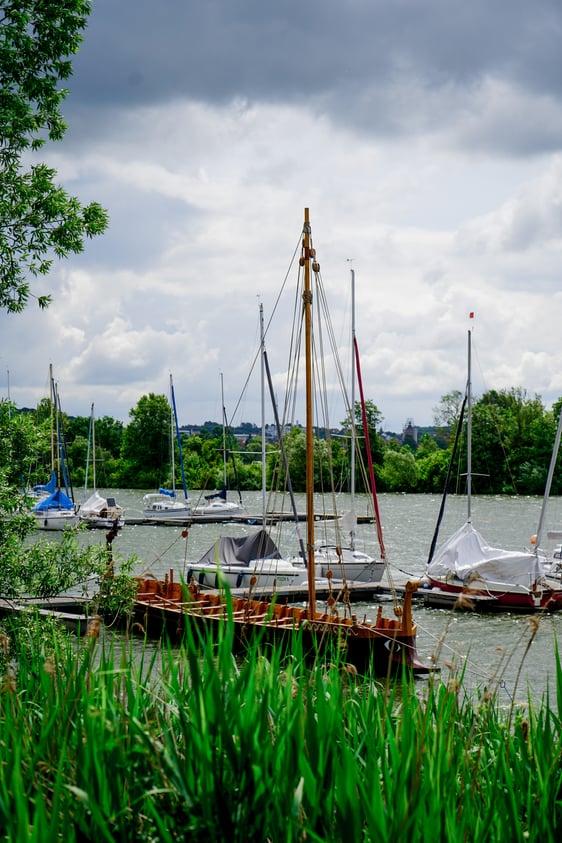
<point>447,482</point>
<point>320,451</point>
<point>284,456</point>
<point>371,469</point>
<point>266,327</point>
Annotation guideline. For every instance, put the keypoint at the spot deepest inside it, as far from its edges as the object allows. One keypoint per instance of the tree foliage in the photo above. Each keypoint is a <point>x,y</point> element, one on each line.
<point>146,442</point>
<point>39,220</point>
<point>513,436</point>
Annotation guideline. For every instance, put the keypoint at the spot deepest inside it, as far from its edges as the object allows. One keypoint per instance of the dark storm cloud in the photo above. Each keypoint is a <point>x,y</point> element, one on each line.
<point>367,59</point>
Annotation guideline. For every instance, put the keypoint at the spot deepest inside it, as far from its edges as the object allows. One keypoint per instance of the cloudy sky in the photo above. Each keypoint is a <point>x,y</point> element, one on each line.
<point>425,136</point>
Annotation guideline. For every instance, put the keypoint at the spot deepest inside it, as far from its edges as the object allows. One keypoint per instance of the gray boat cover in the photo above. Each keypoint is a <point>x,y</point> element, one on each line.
<point>240,550</point>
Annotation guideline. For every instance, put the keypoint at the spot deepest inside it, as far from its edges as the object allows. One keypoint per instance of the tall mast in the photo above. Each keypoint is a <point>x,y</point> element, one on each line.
<point>175,428</point>
<point>52,410</point>
<point>469,433</point>
<point>93,451</point>
<point>353,430</point>
<point>223,433</point>
<point>172,446</point>
<point>263,475</point>
<point>307,255</point>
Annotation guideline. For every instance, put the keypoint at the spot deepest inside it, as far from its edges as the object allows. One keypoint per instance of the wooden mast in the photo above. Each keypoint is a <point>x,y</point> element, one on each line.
<point>307,255</point>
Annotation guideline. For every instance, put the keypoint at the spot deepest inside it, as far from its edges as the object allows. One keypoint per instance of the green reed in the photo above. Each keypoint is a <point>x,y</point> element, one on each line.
<point>194,742</point>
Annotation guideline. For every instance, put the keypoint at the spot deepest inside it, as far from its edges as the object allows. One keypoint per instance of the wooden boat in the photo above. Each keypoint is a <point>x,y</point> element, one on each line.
<point>382,646</point>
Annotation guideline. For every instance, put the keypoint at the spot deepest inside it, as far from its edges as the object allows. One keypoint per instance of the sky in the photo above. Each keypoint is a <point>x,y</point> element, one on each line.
<point>425,137</point>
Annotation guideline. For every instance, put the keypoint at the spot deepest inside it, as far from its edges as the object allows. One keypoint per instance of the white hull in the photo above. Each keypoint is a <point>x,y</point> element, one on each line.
<point>218,510</point>
<point>353,565</point>
<point>56,520</point>
<point>164,508</point>
<point>266,572</point>
<point>180,515</point>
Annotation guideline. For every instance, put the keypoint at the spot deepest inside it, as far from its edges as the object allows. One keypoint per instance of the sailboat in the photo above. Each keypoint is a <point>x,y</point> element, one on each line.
<point>97,511</point>
<point>56,511</point>
<point>466,564</point>
<point>241,561</point>
<point>347,562</point>
<point>163,506</point>
<point>380,646</point>
<point>217,507</point>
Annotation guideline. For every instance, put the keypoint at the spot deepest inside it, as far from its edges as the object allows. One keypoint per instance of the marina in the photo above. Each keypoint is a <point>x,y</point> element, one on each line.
<point>489,646</point>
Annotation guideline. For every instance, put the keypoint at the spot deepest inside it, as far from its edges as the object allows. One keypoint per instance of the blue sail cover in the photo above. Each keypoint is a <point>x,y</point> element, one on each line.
<point>169,492</point>
<point>58,500</point>
<point>221,495</point>
<point>47,487</point>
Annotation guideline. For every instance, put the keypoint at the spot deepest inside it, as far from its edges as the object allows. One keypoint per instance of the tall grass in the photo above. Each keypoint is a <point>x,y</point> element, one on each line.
<point>192,743</point>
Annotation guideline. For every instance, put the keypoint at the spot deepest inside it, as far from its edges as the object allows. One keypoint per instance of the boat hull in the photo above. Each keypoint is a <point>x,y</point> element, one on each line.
<point>219,511</point>
<point>56,520</point>
<point>244,576</point>
<point>386,647</point>
<point>503,596</point>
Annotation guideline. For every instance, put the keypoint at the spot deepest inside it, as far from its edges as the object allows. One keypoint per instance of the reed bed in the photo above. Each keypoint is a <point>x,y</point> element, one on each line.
<point>100,743</point>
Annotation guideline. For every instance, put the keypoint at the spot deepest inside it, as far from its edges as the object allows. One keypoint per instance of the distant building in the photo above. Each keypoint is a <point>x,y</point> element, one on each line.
<point>410,434</point>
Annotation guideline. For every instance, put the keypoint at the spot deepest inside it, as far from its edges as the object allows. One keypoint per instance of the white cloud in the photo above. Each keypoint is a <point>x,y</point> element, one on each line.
<point>442,188</point>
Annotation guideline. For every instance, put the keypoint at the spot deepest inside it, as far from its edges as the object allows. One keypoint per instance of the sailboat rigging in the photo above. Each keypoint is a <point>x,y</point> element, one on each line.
<point>56,511</point>
<point>466,564</point>
<point>217,506</point>
<point>97,511</point>
<point>380,646</point>
<point>163,505</point>
<point>349,563</point>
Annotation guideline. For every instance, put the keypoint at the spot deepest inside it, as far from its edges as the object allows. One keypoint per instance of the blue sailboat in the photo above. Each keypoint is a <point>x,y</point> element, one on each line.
<point>57,510</point>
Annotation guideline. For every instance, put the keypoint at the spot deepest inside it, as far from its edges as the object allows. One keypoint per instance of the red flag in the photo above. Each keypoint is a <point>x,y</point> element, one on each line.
<point>471,315</point>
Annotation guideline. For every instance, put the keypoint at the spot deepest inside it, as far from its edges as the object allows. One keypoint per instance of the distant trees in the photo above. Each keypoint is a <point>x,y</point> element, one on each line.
<point>146,445</point>
<point>513,435</point>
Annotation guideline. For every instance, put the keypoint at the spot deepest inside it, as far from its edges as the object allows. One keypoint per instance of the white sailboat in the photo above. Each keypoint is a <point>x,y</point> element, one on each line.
<point>217,507</point>
<point>163,506</point>
<point>466,564</point>
<point>240,562</point>
<point>347,562</point>
<point>97,511</point>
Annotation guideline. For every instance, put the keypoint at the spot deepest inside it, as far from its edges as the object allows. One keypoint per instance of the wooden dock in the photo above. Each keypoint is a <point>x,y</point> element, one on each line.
<point>68,611</point>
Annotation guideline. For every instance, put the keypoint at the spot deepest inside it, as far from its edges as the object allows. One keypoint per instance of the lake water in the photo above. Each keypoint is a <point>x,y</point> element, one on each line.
<point>491,649</point>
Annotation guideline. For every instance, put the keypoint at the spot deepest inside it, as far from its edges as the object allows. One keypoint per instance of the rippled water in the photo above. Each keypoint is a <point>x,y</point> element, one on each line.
<point>490,648</point>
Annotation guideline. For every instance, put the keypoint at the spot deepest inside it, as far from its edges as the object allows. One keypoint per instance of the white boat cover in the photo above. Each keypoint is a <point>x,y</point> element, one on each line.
<point>96,504</point>
<point>466,555</point>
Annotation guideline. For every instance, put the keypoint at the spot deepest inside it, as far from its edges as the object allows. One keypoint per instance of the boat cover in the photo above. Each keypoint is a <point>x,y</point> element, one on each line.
<point>466,555</point>
<point>240,550</point>
<point>58,500</point>
<point>96,504</point>
<point>49,487</point>
<point>221,495</point>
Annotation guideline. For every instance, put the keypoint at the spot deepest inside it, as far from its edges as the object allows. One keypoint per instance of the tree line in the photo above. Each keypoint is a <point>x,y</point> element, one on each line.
<point>512,441</point>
